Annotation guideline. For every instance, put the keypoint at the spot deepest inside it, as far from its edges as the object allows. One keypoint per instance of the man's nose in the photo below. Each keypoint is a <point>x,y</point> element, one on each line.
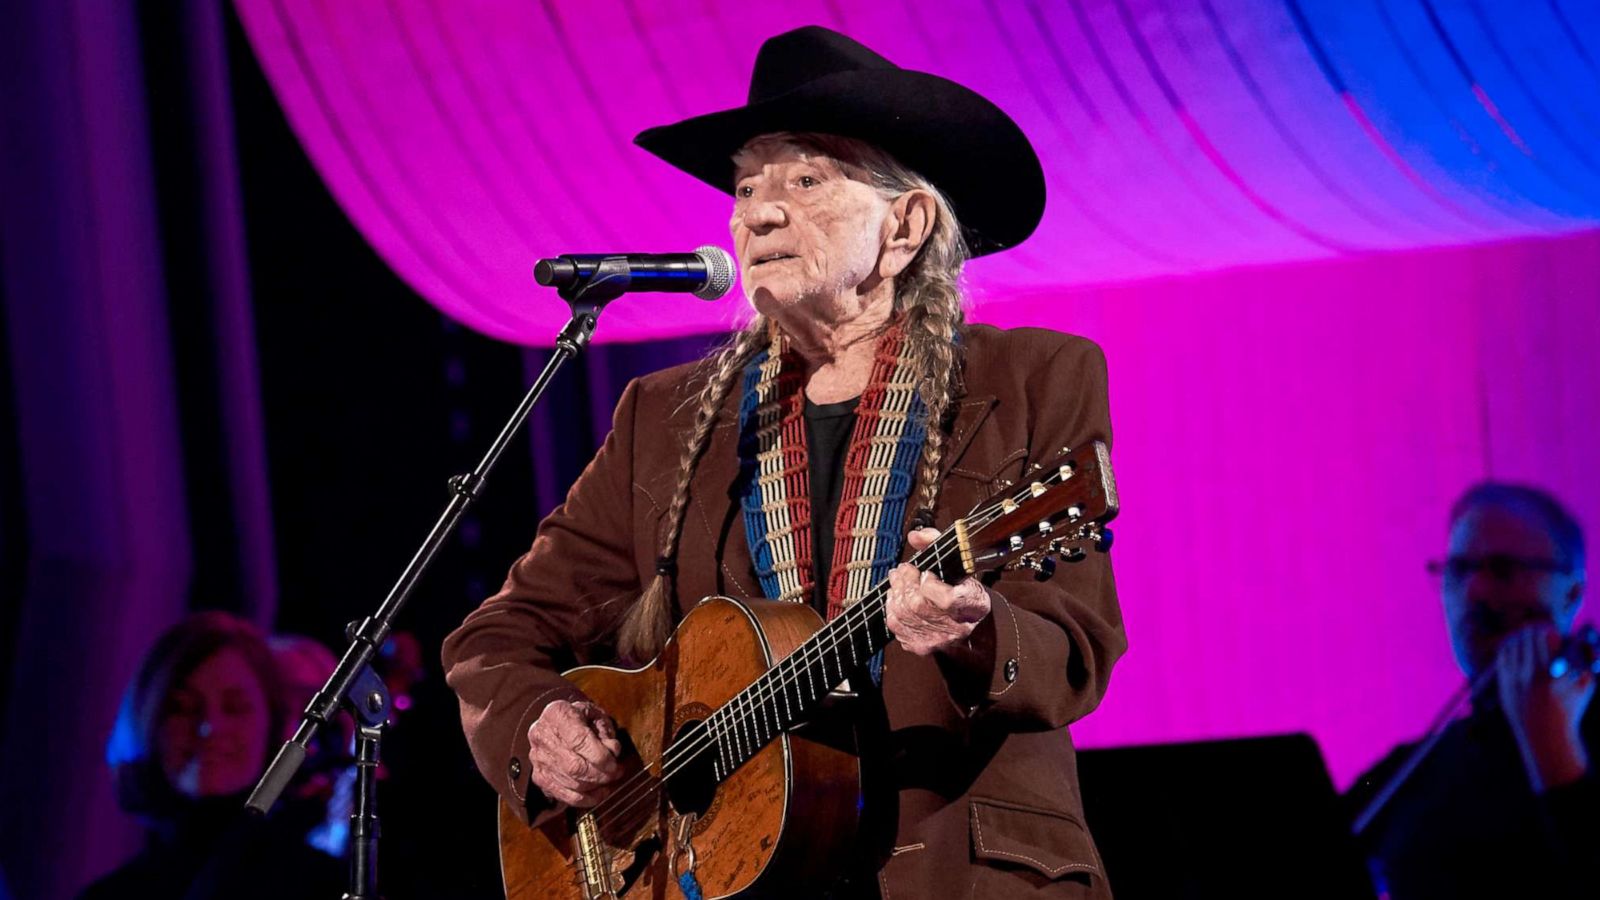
<point>763,211</point>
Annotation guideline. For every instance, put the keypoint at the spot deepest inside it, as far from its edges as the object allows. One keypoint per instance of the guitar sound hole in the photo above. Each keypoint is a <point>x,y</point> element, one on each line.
<point>691,786</point>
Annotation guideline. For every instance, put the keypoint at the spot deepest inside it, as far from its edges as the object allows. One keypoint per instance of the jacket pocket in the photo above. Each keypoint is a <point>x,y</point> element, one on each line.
<point>976,482</point>
<point>1052,844</point>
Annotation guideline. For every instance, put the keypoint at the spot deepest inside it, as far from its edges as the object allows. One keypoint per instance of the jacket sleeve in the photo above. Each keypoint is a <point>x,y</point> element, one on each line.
<point>579,577</point>
<point>1571,819</point>
<point>1056,641</point>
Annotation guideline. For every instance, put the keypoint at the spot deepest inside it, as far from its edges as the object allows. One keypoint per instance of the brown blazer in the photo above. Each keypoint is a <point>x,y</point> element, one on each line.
<point>988,802</point>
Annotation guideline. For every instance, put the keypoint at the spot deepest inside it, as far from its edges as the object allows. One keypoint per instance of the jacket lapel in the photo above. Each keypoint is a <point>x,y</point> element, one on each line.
<point>969,415</point>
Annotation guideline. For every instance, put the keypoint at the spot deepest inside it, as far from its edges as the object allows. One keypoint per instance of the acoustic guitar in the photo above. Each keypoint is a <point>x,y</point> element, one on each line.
<point>721,777</point>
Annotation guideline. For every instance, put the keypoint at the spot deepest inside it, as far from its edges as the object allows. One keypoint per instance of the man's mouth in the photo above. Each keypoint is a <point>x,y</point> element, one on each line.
<point>771,257</point>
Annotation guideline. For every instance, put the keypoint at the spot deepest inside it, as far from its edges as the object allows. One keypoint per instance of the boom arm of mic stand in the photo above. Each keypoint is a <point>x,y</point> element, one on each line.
<point>351,684</point>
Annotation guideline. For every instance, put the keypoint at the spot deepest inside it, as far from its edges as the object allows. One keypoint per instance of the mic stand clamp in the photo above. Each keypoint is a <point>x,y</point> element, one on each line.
<point>353,685</point>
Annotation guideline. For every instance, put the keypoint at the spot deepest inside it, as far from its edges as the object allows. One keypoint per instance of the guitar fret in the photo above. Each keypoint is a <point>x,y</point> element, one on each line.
<point>761,707</point>
<point>740,728</point>
<point>723,750</point>
<point>751,725</point>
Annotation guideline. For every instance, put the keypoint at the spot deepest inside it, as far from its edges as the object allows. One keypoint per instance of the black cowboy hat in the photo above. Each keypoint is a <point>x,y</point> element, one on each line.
<point>816,80</point>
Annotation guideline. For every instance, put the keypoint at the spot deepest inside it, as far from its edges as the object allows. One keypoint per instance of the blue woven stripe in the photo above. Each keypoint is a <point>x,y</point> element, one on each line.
<point>902,476</point>
<point>750,499</point>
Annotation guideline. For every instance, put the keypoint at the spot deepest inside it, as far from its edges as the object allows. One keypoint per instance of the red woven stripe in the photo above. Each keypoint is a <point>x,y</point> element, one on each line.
<point>796,471</point>
<point>869,412</point>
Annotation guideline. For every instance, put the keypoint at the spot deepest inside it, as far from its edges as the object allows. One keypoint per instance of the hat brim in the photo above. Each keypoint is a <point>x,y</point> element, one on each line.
<point>945,132</point>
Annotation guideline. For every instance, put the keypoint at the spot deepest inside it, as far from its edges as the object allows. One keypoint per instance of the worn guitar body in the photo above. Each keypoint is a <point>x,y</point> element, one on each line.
<point>780,819</point>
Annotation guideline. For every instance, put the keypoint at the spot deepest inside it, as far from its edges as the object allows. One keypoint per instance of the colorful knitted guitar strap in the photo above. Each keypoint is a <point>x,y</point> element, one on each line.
<point>879,473</point>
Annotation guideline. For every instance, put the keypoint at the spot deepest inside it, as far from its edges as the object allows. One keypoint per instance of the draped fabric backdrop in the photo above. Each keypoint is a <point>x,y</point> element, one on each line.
<point>1321,243</point>
<point>467,138</point>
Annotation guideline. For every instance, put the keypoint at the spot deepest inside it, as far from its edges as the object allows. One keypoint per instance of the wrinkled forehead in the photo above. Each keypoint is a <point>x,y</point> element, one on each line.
<point>777,149</point>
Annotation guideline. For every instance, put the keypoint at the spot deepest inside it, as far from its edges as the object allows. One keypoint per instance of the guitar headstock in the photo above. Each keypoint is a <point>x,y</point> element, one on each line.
<point>1059,513</point>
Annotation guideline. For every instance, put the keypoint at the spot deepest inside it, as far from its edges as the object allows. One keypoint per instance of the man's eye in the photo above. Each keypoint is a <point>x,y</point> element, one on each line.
<point>806,181</point>
<point>745,191</point>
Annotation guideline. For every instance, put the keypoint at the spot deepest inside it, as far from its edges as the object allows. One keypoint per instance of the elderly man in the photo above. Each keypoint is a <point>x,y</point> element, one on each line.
<point>859,190</point>
<point>1506,804</point>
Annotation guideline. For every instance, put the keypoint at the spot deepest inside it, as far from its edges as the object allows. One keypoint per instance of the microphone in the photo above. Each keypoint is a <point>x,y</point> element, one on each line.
<point>707,272</point>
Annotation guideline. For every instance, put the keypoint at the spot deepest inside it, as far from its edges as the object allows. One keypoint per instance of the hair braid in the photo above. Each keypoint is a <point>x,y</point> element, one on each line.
<point>931,331</point>
<point>648,624</point>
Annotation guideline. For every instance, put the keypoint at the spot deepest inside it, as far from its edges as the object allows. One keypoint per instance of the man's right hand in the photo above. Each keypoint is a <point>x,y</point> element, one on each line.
<point>574,753</point>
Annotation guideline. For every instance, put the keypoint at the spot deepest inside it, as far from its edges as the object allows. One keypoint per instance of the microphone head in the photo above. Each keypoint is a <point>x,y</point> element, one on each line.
<point>720,270</point>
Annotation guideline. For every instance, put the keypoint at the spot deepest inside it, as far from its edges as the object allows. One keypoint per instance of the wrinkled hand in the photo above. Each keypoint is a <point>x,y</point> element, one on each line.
<point>574,753</point>
<point>927,615</point>
<point>1544,712</point>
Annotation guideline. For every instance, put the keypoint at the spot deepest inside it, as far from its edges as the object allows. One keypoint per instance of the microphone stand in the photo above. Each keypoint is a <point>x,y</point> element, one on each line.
<point>353,684</point>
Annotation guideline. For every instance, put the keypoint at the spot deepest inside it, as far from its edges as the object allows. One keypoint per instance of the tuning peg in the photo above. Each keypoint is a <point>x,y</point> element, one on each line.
<point>1102,541</point>
<point>1074,554</point>
<point>1043,568</point>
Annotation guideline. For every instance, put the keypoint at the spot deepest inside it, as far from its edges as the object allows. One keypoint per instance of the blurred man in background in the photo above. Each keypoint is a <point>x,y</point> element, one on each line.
<point>1506,803</point>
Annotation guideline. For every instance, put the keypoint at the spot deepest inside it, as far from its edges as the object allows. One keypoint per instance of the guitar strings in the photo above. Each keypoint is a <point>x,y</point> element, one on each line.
<point>673,759</point>
<point>679,756</point>
<point>810,652</point>
<point>643,787</point>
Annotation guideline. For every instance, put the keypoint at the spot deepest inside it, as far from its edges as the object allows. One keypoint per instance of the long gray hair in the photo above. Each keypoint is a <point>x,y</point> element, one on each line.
<point>928,300</point>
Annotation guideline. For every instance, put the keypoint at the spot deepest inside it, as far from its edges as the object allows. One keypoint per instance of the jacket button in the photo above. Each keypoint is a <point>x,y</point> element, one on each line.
<point>515,769</point>
<point>1011,670</point>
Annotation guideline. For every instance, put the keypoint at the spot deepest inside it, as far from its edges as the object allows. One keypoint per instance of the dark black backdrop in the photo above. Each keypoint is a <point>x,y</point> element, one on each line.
<point>371,400</point>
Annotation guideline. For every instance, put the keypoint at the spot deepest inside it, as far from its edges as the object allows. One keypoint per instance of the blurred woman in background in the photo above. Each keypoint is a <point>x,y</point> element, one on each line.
<point>195,731</point>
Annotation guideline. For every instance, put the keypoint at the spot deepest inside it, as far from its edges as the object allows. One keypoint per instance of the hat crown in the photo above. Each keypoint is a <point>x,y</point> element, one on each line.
<point>799,57</point>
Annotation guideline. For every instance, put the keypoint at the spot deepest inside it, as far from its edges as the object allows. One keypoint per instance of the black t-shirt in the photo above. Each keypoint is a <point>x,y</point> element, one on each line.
<point>828,429</point>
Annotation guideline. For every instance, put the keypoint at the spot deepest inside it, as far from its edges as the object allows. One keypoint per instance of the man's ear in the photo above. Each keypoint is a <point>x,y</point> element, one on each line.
<point>909,223</point>
<point>1573,598</point>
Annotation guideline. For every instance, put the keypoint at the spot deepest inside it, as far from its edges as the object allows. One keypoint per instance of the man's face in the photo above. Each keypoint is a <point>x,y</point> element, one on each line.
<point>804,232</point>
<point>1518,586</point>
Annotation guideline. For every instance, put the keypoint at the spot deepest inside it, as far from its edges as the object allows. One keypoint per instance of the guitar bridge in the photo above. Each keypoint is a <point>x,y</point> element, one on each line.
<point>589,854</point>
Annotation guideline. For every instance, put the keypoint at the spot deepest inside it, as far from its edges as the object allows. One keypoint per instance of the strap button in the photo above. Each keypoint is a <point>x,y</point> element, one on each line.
<point>1010,671</point>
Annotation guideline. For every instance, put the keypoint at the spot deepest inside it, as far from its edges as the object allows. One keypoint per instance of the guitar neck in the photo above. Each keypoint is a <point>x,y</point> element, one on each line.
<point>793,688</point>
<point>1045,519</point>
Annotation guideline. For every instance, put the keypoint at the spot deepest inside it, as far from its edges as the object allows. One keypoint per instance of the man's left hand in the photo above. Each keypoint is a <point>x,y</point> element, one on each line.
<point>1544,711</point>
<point>925,614</point>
